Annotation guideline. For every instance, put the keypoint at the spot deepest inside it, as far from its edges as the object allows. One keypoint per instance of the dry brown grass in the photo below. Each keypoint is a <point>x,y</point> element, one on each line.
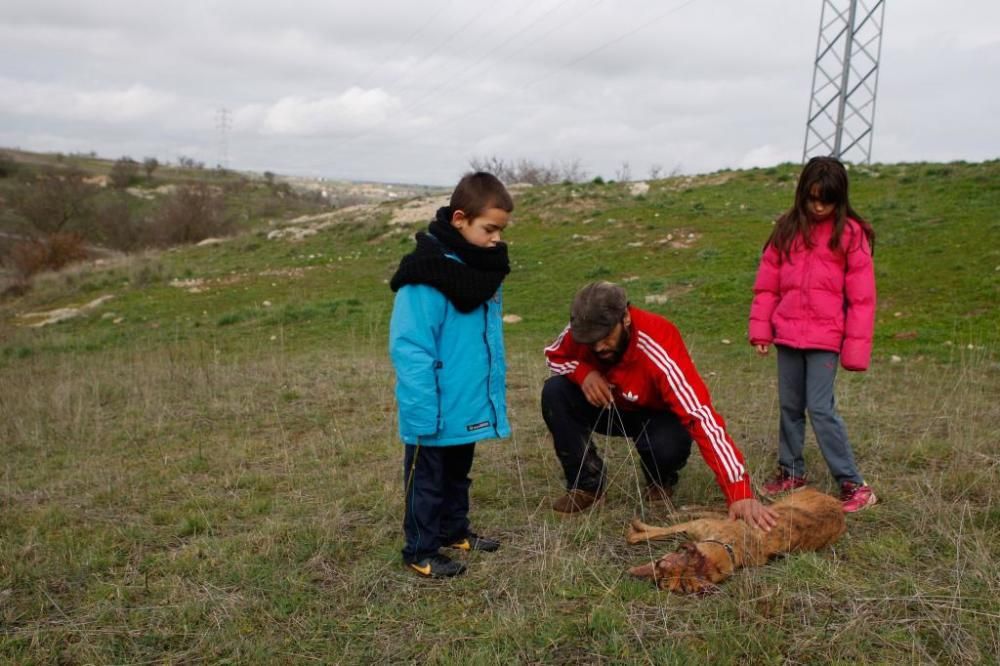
<point>176,505</point>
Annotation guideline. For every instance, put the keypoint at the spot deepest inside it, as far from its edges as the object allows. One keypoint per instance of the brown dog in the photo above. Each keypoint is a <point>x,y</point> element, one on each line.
<point>807,520</point>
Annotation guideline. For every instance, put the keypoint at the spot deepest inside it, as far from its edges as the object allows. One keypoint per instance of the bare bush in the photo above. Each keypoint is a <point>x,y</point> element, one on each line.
<point>624,173</point>
<point>53,200</point>
<point>124,172</point>
<point>528,171</point>
<point>191,214</point>
<point>50,253</point>
<point>118,228</point>
<point>186,162</point>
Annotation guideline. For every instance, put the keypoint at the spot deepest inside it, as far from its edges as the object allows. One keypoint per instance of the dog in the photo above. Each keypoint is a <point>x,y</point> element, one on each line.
<point>807,520</point>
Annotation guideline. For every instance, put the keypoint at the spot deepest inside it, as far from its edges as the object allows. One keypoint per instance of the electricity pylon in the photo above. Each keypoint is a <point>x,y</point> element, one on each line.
<point>845,79</point>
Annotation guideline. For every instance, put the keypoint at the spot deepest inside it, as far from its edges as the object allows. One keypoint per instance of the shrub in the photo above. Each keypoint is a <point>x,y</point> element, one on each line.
<point>8,167</point>
<point>116,226</point>
<point>124,172</point>
<point>53,200</point>
<point>49,253</point>
<point>527,171</point>
<point>149,165</point>
<point>191,214</point>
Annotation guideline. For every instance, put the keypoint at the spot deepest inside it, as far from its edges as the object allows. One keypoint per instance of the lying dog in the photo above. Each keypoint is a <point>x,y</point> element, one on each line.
<point>807,520</point>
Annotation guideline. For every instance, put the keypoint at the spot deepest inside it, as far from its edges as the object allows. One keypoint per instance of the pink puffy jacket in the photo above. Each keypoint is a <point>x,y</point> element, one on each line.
<point>818,298</point>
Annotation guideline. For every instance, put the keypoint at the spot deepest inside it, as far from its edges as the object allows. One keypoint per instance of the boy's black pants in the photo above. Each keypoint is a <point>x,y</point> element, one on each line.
<point>436,482</point>
<point>662,442</point>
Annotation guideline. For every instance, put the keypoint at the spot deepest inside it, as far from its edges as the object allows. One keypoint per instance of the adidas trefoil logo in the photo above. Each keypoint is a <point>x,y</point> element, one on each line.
<point>631,397</point>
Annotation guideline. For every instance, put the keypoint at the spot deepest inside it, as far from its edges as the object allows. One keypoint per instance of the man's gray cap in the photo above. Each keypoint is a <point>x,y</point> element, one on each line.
<point>596,309</point>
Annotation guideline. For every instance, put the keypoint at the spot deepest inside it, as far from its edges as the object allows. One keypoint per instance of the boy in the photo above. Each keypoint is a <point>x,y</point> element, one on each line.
<point>446,344</point>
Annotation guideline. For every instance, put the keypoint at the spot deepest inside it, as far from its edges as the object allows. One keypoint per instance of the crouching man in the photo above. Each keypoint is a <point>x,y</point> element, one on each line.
<point>622,371</point>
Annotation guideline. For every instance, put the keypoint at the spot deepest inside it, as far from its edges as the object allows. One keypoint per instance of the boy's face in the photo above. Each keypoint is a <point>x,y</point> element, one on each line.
<point>483,231</point>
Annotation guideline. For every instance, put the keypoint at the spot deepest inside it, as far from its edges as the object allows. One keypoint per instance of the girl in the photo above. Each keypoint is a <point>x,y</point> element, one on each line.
<point>814,298</point>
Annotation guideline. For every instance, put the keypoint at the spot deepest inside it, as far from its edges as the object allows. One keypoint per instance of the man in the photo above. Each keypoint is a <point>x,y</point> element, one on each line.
<point>626,372</point>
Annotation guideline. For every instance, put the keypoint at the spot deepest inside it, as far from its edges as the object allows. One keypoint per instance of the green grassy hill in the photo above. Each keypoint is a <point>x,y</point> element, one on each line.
<point>205,465</point>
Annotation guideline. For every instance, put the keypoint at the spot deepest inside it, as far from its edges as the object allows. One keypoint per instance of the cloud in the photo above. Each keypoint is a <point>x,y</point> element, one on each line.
<point>136,102</point>
<point>353,110</point>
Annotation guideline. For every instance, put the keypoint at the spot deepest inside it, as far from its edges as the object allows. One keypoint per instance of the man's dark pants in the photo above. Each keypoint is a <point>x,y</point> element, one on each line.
<point>663,444</point>
<point>436,481</point>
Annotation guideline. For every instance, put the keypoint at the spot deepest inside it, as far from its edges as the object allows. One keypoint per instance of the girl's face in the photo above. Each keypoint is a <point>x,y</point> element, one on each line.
<point>484,230</point>
<point>819,209</point>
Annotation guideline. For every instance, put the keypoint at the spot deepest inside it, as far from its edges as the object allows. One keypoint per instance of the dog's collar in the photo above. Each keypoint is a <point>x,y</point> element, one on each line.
<point>729,550</point>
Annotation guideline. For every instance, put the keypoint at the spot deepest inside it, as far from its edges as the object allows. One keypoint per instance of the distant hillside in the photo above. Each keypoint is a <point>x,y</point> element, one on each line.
<point>201,458</point>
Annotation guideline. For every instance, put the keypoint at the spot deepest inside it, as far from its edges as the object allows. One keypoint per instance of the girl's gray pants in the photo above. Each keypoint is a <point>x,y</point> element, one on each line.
<point>805,384</point>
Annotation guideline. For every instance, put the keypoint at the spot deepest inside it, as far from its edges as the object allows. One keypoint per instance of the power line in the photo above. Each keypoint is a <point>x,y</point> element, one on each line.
<point>643,25</point>
<point>371,72</point>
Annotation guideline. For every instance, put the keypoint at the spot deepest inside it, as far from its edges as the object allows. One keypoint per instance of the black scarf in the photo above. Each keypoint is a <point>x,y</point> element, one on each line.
<point>467,285</point>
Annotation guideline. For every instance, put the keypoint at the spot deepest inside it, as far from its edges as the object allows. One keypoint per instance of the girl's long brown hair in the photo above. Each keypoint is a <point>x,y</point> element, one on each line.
<point>831,177</point>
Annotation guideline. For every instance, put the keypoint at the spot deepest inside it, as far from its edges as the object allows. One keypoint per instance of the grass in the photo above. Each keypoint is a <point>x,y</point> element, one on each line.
<point>215,479</point>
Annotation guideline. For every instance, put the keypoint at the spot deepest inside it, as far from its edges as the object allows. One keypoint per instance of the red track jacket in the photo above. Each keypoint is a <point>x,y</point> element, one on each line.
<point>656,373</point>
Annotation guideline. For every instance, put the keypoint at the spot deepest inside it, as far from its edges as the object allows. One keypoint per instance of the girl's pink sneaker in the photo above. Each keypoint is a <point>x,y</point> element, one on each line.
<point>855,496</point>
<point>782,483</point>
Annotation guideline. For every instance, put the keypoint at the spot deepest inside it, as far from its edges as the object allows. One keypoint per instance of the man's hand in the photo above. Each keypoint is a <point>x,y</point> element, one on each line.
<point>597,390</point>
<point>752,512</point>
<point>762,349</point>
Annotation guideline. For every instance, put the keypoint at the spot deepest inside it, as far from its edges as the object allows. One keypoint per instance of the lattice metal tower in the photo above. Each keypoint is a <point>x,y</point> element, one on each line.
<point>845,79</point>
<point>223,123</point>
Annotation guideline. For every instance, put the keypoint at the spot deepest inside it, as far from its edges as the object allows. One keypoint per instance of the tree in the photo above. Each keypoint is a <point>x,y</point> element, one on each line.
<point>54,200</point>
<point>149,165</point>
<point>189,163</point>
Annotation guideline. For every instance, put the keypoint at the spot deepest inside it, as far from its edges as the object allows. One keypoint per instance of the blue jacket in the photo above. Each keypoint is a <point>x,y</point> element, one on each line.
<point>450,368</point>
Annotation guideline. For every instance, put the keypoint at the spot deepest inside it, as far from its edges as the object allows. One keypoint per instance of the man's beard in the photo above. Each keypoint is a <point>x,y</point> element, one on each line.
<point>616,355</point>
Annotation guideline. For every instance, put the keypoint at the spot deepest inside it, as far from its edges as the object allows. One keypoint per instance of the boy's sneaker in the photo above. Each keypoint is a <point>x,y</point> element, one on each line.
<point>856,496</point>
<point>475,542</point>
<point>782,483</point>
<point>437,566</point>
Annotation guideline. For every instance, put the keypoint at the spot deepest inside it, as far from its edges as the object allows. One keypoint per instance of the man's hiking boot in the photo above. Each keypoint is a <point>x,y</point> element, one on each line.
<point>437,566</point>
<point>658,495</point>
<point>575,501</point>
<point>782,483</point>
<point>856,496</point>
<point>475,542</point>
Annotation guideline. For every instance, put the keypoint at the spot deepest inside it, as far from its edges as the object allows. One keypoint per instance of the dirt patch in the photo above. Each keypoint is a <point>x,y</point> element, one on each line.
<point>419,210</point>
<point>38,319</point>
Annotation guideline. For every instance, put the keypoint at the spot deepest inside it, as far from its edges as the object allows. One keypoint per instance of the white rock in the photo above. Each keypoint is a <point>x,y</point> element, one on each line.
<point>266,304</point>
<point>658,299</point>
<point>726,341</point>
<point>512,319</point>
<point>896,359</point>
<point>639,188</point>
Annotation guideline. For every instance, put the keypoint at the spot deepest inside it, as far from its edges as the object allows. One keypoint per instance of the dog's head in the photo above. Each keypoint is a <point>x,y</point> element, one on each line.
<point>686,571</point>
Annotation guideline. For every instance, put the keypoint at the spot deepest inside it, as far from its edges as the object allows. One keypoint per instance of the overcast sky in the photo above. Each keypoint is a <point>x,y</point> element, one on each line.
<point>408,91</point>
